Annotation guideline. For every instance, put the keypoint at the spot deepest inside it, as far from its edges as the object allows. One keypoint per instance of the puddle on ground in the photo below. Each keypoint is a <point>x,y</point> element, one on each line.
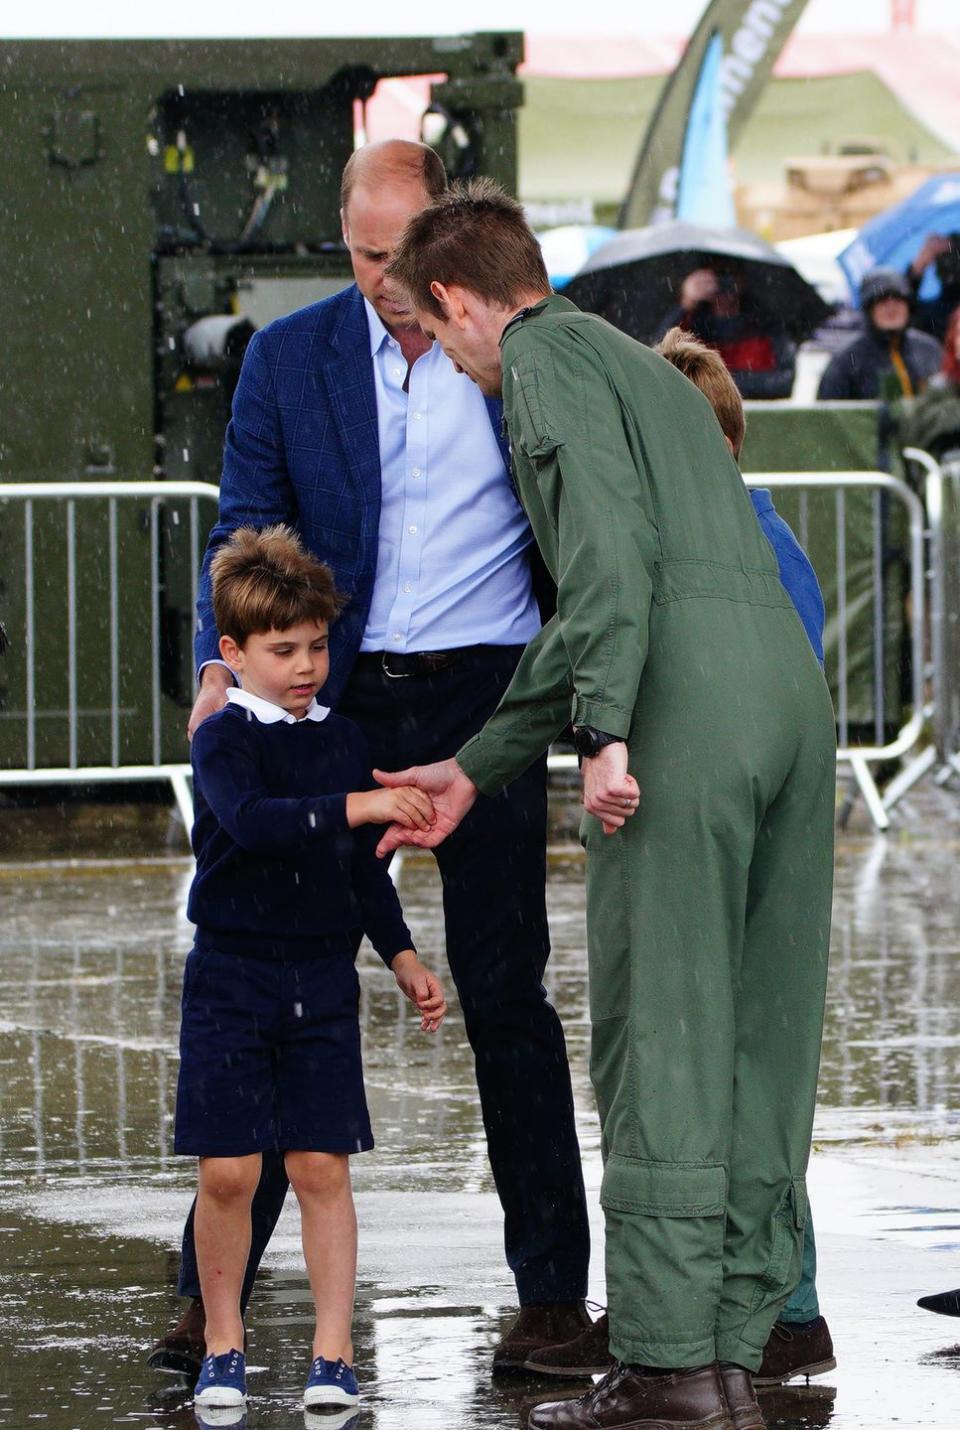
<point>93,1198</point>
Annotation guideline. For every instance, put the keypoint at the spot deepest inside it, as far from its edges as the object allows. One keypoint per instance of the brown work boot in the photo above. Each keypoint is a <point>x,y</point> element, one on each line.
<point>796,1350</point>
<point>181,1350</point>
<point>538,1327</point>
<point>642,1400</point>
<point>587,1354</point>
<point>741,1401</point>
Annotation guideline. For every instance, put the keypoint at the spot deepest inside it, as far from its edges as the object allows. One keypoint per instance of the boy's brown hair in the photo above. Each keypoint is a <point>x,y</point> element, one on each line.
<point>266,581</point>
<point>707,370</point>
<point>473,235</point>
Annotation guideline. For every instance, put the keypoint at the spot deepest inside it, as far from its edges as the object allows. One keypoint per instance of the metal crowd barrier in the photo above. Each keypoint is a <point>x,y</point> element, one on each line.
<point>72,495</point>
<point>861,759</point>
<point>942,499</point>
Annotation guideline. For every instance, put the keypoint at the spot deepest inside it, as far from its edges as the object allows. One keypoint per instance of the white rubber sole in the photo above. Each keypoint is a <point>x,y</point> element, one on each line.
<point>220,1398</point>
<point>319,1395</point>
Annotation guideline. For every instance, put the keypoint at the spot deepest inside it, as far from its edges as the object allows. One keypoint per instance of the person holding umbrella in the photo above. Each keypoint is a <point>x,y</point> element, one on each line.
<point>713,307</point>
<point>707,738</point>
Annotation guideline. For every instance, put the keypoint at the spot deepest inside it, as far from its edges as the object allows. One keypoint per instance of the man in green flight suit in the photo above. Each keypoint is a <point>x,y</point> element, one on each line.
<point>708,754</point>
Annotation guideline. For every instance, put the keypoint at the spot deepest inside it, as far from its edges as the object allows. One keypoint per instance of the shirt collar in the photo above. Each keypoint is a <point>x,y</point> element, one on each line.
<point>378,330</point>
<point>268,713</point>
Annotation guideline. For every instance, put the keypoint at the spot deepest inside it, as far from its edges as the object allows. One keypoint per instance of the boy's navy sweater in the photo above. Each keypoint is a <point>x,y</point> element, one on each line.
<point>280,874</point>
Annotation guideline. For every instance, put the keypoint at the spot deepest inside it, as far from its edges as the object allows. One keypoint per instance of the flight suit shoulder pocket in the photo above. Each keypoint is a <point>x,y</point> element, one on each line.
<point>537,431</point>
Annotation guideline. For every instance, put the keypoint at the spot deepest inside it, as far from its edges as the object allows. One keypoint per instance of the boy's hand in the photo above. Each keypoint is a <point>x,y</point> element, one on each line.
<point>409,807</point>
<point>422,987</point>
<point>451,791</point>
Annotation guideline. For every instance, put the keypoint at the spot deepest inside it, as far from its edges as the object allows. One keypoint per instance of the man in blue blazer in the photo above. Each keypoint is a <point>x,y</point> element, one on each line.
<point>355,429</point>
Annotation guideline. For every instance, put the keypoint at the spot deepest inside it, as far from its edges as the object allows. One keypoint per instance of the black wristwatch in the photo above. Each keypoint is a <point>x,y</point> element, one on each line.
<point>588,741</point>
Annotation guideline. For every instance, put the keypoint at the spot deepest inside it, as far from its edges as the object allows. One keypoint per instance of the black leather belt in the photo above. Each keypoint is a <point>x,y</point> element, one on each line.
<point>399,666</point>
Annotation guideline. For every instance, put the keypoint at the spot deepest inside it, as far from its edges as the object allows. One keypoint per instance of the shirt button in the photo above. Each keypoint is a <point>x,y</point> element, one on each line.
<point>396,636</point>
<point>398,372</point>
<point>412,530</point>
<point>415,472</point>
<point>407,587</point>
<point>417,416</point>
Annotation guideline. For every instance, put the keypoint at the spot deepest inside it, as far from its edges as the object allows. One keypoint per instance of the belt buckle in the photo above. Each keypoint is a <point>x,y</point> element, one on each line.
<point>392,674</point>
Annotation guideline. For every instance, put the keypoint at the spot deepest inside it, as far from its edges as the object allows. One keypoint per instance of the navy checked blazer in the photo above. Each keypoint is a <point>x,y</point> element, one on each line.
<point>303,447</point>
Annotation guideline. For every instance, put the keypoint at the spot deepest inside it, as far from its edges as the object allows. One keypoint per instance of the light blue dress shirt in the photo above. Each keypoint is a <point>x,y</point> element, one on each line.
<point>452,564</point>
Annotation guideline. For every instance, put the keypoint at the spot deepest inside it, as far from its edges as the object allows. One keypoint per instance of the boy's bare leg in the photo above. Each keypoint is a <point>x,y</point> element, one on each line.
<point>328,1222</point>
<point>222,1232</point>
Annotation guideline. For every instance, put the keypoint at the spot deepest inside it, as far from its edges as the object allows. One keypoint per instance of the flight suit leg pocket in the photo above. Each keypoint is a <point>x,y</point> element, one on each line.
<point>664,1253</point>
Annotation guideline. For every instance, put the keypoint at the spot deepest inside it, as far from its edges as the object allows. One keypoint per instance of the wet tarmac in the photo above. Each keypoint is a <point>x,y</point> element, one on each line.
<point>93,1199</point>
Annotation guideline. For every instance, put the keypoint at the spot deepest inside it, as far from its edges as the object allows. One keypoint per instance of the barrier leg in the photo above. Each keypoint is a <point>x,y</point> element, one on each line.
<point>868,788</point>
<point>182,794</point>
<point>909,776</point>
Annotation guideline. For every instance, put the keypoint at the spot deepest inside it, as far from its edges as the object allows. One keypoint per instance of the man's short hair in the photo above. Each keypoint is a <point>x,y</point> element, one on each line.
<point>476,236</point>
<point>707,370</point>
<point>266,581</point>
<point>415,163</point>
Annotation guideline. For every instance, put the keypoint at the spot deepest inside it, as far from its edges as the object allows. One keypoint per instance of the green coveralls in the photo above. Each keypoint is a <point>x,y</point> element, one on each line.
<point>708,914</point>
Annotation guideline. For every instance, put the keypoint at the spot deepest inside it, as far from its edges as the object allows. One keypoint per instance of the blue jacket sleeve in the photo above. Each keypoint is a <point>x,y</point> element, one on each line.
<point>255,488</point>
<point>227,771</point>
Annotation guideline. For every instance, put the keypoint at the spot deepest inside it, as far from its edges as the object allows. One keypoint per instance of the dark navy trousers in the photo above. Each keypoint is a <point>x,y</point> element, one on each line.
<point>493,870</point>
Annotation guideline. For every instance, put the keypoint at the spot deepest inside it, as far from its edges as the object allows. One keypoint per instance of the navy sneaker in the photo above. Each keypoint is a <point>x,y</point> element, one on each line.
<point>330,1382</point>
<point>223,1381</point>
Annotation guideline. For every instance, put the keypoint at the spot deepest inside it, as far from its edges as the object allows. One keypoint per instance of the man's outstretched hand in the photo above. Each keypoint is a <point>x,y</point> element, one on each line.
<point>451,791</point>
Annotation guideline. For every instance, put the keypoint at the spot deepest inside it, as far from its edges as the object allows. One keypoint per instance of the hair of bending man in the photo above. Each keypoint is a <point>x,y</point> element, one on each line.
<point>475,236</point>
<point>706,369</point>
<point>390,161</point>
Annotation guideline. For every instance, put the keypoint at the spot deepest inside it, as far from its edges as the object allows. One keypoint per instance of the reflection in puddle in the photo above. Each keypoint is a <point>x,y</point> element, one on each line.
<point>93,1198</point>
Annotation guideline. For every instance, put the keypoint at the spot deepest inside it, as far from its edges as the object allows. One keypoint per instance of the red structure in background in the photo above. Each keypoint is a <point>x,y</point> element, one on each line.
<point>903,14</point>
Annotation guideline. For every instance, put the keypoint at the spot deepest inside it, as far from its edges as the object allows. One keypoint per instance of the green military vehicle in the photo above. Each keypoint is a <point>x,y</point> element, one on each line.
<point>162,200</point>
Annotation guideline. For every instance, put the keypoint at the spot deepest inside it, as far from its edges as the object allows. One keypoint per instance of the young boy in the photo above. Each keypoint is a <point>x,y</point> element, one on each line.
<point>706,370</point>
<point>286,876</point>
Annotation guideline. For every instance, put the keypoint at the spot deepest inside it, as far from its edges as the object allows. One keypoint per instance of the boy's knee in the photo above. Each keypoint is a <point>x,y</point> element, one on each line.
<point>318,1174</point>
<point>229,1179</point>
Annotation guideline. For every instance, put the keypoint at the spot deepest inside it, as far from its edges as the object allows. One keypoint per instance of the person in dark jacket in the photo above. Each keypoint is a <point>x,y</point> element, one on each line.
<point>889,359</point>
<point>713,307</point>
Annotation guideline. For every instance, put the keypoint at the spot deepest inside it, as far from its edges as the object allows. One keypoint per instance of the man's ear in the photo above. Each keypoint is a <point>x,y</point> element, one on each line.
<point>344,227</point>
<point>231,653</point>
<point>450,300</point>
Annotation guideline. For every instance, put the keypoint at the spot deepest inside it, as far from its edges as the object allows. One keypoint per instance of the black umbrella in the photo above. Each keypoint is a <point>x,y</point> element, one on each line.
<point>635,279</point>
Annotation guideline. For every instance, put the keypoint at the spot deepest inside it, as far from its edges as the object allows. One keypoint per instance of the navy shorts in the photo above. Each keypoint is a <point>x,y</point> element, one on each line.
<point>270,1056</point>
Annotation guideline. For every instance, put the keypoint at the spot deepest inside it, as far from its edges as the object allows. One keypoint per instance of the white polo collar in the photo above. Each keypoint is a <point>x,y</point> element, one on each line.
<point>268,713</point>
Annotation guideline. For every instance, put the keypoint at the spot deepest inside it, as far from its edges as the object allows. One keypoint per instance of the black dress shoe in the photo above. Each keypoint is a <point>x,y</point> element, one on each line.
<point>181,1350</point>
<point>796,1350</point>
<point>536,1328</point>
<point>629,1399</point>
<point>945,1303</point>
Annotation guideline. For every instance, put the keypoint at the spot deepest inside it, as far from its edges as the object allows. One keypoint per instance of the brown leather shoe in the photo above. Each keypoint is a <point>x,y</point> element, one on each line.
<point>741,1401</point>
<point>634,1400</point>
<point>588,1354</point>
<point>796,1350</point>
<point>181,1350</point>
<point>538,1327</point>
